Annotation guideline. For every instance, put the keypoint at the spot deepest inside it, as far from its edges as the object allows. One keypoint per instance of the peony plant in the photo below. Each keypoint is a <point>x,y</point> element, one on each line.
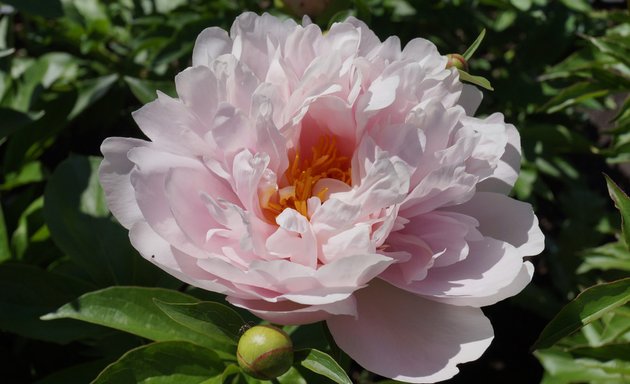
<point>314,176</point>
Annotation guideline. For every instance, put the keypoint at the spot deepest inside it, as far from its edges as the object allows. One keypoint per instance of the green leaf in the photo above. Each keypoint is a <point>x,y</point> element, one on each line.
<point>215,320</point>
<point>588,306</point>
<point>477,80</point>
<point>574,94</point>
<point>48,8</point>
<point>5,251</point>
<point>562,368</point>
<point>622,202</point>
<point>323,364</point>
<point>76,374</point>
<point>473,47</point>
<point>131,309</point>
<point>80,224</point>
<point>146,90</point>
<point>163,363</point>
<point>607,257</point>
<point>91,91</point>
<point>13,120</point>
<point>605,352</point>
<point>30,172</point>
<point>27,292</point>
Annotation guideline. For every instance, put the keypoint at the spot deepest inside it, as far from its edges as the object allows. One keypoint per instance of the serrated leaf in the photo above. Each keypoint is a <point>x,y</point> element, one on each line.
<point>473,47</point>
<point>321,363</point>
<point>622,202</point>
<point>131,309</point>
<point>162,363</point>
<point>587,307</point>
<point>215,320</point>
<point>477,80</point>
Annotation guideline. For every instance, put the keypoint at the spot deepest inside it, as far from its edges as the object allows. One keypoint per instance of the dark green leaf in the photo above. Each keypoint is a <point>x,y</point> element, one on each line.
<point>588,306</point>
<point>323,364</point>
<point>27,292</point>
<point>162,363</point>
<point>80,224</point>
<point>5,251</point>
<point>604,353</point>
<point>91,91</point>
<point>13,120</point>
<point>131,309</point>
<point>47,8</point>
<point>574,94</point>
<point>622,202</point>
<point>146,91</point>
<point>215,320</point>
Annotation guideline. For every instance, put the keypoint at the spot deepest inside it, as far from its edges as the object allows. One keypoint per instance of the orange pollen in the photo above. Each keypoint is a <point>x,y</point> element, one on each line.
<point>302,175</point>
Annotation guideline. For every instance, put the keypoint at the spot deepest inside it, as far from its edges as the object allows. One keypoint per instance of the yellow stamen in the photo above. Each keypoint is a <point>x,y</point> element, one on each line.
<point>302,175</point>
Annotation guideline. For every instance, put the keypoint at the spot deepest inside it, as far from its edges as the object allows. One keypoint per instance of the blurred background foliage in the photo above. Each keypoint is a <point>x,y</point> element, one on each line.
<point>72,71</point>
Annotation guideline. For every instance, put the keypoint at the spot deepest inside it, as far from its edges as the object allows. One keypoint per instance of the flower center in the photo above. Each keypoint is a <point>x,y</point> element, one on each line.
<point>302,175</point>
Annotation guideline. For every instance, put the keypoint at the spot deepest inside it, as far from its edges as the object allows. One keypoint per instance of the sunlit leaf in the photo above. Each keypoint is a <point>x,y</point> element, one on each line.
<point>622,202</point>
<point>132,309</point>
<point>588,306</point>
<point>209,318</point>
<point>473,47</point>
<point>323,364</point>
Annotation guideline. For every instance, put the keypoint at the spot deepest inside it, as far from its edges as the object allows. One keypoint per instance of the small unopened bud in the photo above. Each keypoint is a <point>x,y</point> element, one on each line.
<point>265,352</point>
<point>456,60</point>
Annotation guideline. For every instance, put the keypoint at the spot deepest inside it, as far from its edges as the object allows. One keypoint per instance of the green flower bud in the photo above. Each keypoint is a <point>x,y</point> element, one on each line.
<point>456,60</point>
<point>265,352</point>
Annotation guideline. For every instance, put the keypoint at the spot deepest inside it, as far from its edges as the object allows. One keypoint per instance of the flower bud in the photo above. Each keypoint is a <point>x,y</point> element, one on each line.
<point>456,60</point>
<point>265,352</point>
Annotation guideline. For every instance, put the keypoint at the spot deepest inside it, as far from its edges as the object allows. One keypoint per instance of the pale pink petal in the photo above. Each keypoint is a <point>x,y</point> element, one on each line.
<point>114,176</point>
<point>470,99</point>
<point>506,219</point>
<point>169,123</point>
<point>211,43</point>
<point>196,86</point>
<point>481,279</point>
<point>406,337</point>
<point>289,313</point>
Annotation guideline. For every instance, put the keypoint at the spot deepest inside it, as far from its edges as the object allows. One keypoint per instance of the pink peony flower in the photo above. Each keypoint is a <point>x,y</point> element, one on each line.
<point>335,177</point>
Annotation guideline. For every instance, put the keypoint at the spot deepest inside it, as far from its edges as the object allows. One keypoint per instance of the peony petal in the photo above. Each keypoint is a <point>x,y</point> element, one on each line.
<point>197,88</point>
<point>470,99</point>
<point>488,271</point>
<point>406,337</point>
<point>506,219</point>
<point>211,43</point>
<point>114,176</point>
<point>289,313</point>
